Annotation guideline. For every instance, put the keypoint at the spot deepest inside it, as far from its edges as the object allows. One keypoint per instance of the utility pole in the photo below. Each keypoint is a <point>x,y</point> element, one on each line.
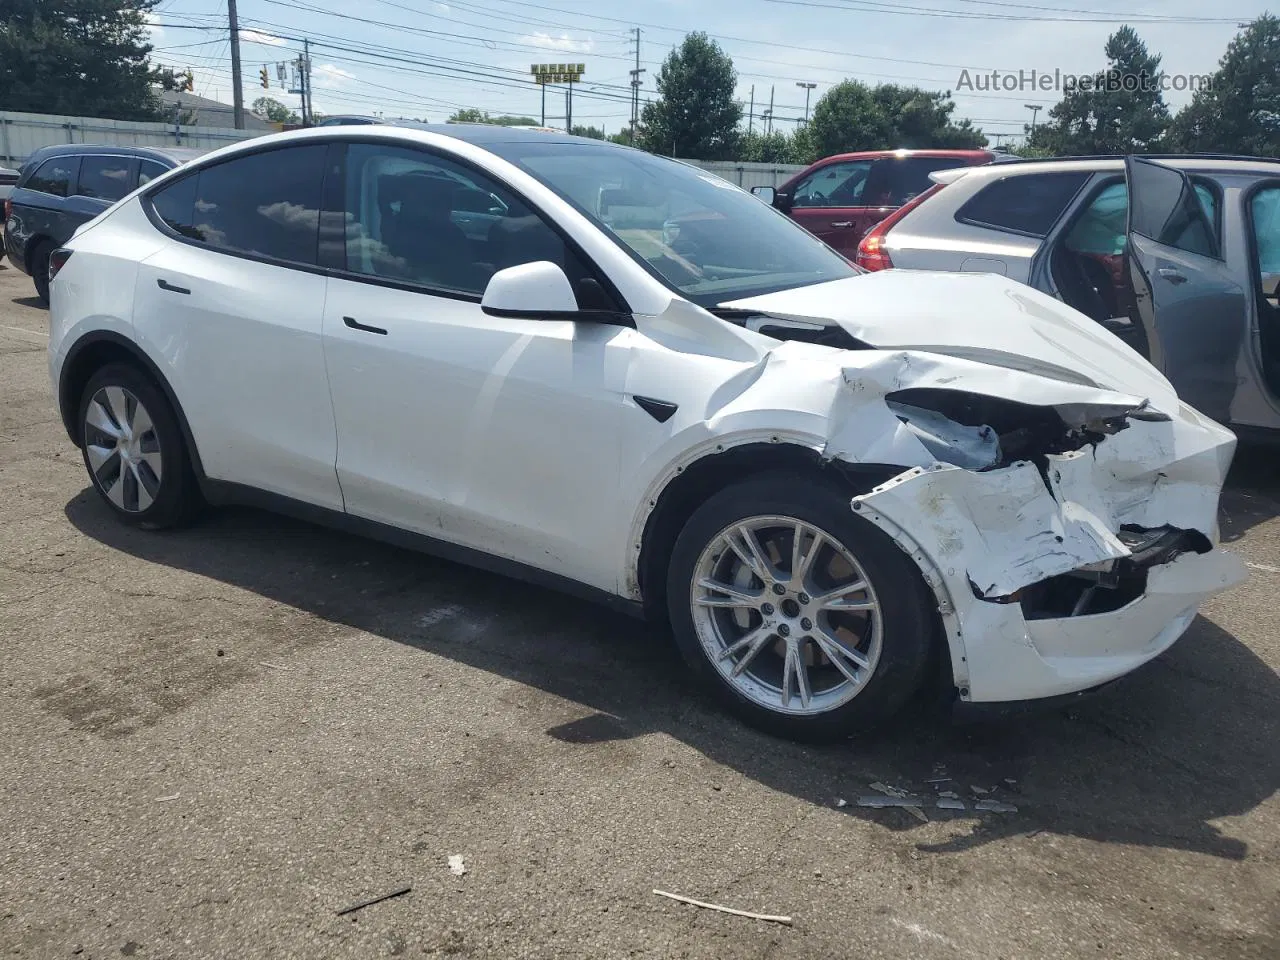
<point>807,88</point>
<point>769,129</point>
<point>1034,108</point>
<point>635,88</point>
<point>568,108</point>
<point>308,112</point>
<point>751,112</point>
<point>237,94</point>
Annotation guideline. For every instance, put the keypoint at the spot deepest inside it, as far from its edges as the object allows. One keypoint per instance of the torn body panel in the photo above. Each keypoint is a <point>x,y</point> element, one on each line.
<point>985,538</point>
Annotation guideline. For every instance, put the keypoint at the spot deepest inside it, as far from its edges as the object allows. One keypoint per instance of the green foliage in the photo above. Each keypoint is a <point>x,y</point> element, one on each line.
<point>695,116</point>
<point>595,133</point>
<point>79,58</point>
<point>272,109</point>
<point>854,116</point>
<point>1109,119</point>
<point>1239,111</point>
<point>775,147</point>
<point>472,115</point>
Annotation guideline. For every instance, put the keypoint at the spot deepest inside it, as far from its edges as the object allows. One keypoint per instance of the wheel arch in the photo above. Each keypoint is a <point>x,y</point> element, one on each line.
<point>92,352</point>
<point>688,486</point>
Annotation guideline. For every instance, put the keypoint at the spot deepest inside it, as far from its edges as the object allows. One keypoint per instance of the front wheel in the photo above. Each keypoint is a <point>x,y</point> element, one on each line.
<point>805,619</point>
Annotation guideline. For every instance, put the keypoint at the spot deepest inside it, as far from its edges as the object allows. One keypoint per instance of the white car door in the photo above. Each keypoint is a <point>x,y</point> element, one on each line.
<point>497,434</point>
<point>233,303</point>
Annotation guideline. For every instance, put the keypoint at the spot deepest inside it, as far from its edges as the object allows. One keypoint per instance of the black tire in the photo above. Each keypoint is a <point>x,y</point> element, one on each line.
<point>38,265</point>
<point>908,609</point>
<point>177,497</point>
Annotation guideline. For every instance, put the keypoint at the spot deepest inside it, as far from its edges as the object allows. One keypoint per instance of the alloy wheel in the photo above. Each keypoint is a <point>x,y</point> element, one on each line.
<point>787,615</point>
<point>123,449</point>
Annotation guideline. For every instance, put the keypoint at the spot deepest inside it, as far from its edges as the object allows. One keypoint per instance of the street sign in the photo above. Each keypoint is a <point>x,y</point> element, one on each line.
<point>544,73</point>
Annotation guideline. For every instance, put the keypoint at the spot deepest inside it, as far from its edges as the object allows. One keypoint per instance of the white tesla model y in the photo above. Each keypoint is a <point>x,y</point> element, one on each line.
<point>622,376</point>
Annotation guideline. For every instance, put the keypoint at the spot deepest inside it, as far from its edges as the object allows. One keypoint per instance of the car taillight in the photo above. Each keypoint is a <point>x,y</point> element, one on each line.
<point>8,208</point>
<point>57,260</point>
<point>872,254</point>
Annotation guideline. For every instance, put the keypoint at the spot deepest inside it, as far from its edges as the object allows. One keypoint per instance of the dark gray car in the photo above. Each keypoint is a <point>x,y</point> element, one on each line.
<point>1177,256</point>
<point>61,187</point>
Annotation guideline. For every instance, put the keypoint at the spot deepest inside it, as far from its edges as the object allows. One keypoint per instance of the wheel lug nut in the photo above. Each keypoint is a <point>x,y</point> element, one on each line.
<point>784,630</point>
<point>806,624</point>
<point>779,589</point>
<point>803,598</point>
<point>767,609</point>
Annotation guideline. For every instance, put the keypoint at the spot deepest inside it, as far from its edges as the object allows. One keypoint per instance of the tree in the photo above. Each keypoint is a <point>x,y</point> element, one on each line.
<point>775,147</point>
<point>1238,111</point>
<point>695,115</point>
<point>595,133</point>
<point>269,108</point>
<point>472,115</point>
<point>1121,111</point>
<point>855,116</point>
<point>80,58</point>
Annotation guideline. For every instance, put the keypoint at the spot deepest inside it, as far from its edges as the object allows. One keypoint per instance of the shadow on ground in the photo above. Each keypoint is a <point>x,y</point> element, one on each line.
<point>1188,740</point>
<point>1252,494</point>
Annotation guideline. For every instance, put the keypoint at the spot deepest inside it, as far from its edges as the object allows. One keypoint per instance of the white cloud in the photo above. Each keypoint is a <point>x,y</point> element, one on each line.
<point>443,7</point>
<point>153,26</point>
<point>327,75</point>
<point>253,36</point>
<point>563,43</point>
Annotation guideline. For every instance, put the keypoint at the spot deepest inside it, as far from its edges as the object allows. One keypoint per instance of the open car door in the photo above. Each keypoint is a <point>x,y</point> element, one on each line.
<point>1193,312</point>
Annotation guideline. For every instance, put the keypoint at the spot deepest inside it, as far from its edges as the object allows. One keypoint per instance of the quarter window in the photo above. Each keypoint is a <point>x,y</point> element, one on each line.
<point>835,185</point>
<point>264,204</point>
<point>1029,204</point>
<point>417,218</point>
<point>148,170</point>
<point>104,178</point>
<point>55,176</point>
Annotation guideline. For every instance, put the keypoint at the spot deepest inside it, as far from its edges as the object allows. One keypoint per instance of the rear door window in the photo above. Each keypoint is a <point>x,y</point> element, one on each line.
<point>263,205</point>
<point>56,176</point>
<point>894,182</point>
<point>104,178</point>
<point>1028,204</point>
<point>1102,228</point>
<point>1170,210</point>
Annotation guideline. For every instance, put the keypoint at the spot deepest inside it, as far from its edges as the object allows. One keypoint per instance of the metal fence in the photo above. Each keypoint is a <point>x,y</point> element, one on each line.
<point>748,175</point>
<point>22,134</point>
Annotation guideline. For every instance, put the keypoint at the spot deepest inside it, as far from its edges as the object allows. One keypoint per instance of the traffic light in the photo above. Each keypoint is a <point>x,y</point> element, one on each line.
<point>266,82</point>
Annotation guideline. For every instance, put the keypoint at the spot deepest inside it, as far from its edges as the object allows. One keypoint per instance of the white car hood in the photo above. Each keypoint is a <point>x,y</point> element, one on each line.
<point>980,317</point>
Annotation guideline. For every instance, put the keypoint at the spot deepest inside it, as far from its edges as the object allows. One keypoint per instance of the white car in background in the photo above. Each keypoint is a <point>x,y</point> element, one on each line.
<point>823,480</point>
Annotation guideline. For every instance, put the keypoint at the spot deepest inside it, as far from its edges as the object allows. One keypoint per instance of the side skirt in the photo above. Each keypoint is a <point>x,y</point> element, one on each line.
<point>222,493</point>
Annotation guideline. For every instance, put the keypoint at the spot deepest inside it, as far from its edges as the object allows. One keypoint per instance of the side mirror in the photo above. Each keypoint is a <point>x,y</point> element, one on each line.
<point>767,194</point>
<point>532,291</point>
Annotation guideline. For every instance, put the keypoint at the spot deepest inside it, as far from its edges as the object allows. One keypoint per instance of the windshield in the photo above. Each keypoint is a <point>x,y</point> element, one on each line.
<point>697,232</point>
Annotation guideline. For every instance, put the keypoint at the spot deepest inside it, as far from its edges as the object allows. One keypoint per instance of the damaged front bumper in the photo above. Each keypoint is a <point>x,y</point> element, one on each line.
<point>1059,576</point>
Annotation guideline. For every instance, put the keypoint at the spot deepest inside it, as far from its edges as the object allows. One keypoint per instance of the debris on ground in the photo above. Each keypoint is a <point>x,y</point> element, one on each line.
<point>368,903</point>
<point>980,791</point>
<point>841,802</point>
<point>995,806</point>
<point>456,865</point>
<point>715,906</point>
<point>167,799</point>
<point>890,791</point>
<point>273,666</point>
<point>951,803</point>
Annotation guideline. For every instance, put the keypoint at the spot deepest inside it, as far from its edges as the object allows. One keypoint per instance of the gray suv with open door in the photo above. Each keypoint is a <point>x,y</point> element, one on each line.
<point>1177,256</point>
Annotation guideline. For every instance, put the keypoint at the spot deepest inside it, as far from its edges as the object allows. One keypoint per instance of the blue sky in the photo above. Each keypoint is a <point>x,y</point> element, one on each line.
<point>425,58</point>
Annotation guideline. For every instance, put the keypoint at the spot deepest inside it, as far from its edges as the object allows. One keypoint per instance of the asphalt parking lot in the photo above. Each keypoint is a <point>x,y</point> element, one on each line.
<point>213,740</point>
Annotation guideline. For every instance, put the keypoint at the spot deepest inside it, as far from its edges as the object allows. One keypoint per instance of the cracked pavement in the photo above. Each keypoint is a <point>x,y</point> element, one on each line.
<point>214,739</point>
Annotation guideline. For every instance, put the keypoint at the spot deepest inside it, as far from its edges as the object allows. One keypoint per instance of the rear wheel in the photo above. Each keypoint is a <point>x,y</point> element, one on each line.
<point>133,449</point>
<point>38,264</point>
<point>805,619</point>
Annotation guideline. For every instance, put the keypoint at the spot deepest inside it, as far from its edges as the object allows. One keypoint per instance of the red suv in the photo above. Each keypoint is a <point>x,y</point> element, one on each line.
<point>842,197</point>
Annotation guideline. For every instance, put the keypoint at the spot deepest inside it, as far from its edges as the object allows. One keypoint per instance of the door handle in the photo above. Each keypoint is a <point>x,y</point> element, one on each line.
<point>1172,275</point>
<point>356,325</point>
<point>166,285</point>
<point>842,224</point>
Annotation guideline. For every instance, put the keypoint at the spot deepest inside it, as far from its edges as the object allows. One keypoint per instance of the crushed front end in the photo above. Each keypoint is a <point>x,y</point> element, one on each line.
<point>1068,540</point>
